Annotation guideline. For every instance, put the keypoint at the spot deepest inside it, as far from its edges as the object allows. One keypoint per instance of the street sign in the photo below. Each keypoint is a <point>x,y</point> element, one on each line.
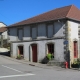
<point>65,42</point>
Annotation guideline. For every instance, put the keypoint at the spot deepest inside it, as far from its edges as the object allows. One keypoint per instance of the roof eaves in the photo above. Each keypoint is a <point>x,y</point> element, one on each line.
<point>73,19</point>
<point>36,22</point>
<point>4,24</point>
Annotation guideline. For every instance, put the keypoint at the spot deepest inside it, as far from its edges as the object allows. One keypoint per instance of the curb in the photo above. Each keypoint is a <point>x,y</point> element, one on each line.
<point>44,66</point>
<point>29,63</point>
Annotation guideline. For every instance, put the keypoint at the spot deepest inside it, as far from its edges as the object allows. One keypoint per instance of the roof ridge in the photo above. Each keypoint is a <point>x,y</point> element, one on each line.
<point>69,10</point>
<point>62,7</point>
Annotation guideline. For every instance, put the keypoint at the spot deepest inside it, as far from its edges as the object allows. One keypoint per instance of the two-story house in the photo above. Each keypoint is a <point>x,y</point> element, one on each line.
<point>53,32</point>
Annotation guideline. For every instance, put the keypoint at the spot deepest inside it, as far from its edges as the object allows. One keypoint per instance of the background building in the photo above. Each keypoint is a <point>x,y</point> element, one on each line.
<point>3,34</point>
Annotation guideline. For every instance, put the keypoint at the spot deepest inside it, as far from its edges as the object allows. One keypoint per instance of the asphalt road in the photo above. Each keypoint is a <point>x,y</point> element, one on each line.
<point>12,70</point>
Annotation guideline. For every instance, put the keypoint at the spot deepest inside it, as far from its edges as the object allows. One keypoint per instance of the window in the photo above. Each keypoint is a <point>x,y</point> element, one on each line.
<point>50,31</point>
<point>34,32</point>
<point>51,48</point>
<point>20,34</point>
<point>41,30</point>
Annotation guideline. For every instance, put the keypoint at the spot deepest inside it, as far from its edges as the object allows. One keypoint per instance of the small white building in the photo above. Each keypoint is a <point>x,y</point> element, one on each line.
<point>3,33</point>
<point>2,24</point>
<point>55,31</point>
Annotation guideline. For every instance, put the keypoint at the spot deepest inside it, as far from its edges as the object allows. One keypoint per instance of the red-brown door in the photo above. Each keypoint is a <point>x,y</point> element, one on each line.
<point>75,49</point>
<point>34,53</point>
<point>20,50</point>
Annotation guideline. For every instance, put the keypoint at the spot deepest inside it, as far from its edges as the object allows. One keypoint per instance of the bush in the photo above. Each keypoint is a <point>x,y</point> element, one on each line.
<point>19,57</point>
<point>78,60</point>
<point>49,56</point>
<point>76,63</point>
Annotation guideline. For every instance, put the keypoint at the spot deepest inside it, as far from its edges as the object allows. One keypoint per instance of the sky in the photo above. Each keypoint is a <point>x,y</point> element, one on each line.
<point>13,11</point>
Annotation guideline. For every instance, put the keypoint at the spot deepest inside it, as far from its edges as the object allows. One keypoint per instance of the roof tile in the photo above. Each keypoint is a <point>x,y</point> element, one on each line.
<point>2,29</point>
<point>64,12</point>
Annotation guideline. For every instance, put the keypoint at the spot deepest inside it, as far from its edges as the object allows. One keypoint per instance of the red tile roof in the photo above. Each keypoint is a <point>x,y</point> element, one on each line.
<point>71,12</point>
<point>2,29</point>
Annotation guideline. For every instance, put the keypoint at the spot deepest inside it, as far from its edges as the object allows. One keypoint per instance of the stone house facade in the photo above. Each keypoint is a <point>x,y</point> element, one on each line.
<point>56,31</point>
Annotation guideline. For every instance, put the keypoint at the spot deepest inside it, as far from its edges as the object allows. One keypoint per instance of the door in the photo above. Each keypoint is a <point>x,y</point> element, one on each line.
<point>75,49</point>
<point>34,52</point>
<point>20,50</point>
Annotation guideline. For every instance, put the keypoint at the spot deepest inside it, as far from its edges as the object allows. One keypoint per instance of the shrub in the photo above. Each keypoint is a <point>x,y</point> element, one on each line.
<point>19,56</point>
<point>49,56</point>
<point>78,60</point>
<point>76,63</point>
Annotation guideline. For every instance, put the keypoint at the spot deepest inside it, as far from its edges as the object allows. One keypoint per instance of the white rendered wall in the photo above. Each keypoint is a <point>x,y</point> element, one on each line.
<point>73,28</point>
<point>2,24</point>
<point>5,35</point>
<point>72,36</point>
<point>42,50</point>
<point>58,49</point>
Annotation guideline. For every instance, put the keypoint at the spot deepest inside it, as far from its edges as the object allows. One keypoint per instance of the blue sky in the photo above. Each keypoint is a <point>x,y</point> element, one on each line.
<point>12,11</point>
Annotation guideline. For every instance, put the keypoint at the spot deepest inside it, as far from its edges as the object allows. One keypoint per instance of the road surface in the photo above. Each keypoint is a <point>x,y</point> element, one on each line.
<point>12,70</point>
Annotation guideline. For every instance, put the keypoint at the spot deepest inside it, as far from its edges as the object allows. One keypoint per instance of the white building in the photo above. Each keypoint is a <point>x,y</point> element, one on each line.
<point>2,24</point>
<point>55,31</point>
<point>3,32</point>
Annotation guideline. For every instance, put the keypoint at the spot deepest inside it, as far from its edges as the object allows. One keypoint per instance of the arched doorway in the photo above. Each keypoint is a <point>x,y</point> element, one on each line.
<point>20,51</point>
<point>34,52</point>
<point>50,48</point>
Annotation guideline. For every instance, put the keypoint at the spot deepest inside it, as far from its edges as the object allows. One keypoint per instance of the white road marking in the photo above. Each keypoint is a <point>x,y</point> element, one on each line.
<point>28,74</point>
<point>12,69</point>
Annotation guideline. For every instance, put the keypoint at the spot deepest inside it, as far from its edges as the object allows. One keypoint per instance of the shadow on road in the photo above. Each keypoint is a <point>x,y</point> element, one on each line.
<point>5,53</point>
